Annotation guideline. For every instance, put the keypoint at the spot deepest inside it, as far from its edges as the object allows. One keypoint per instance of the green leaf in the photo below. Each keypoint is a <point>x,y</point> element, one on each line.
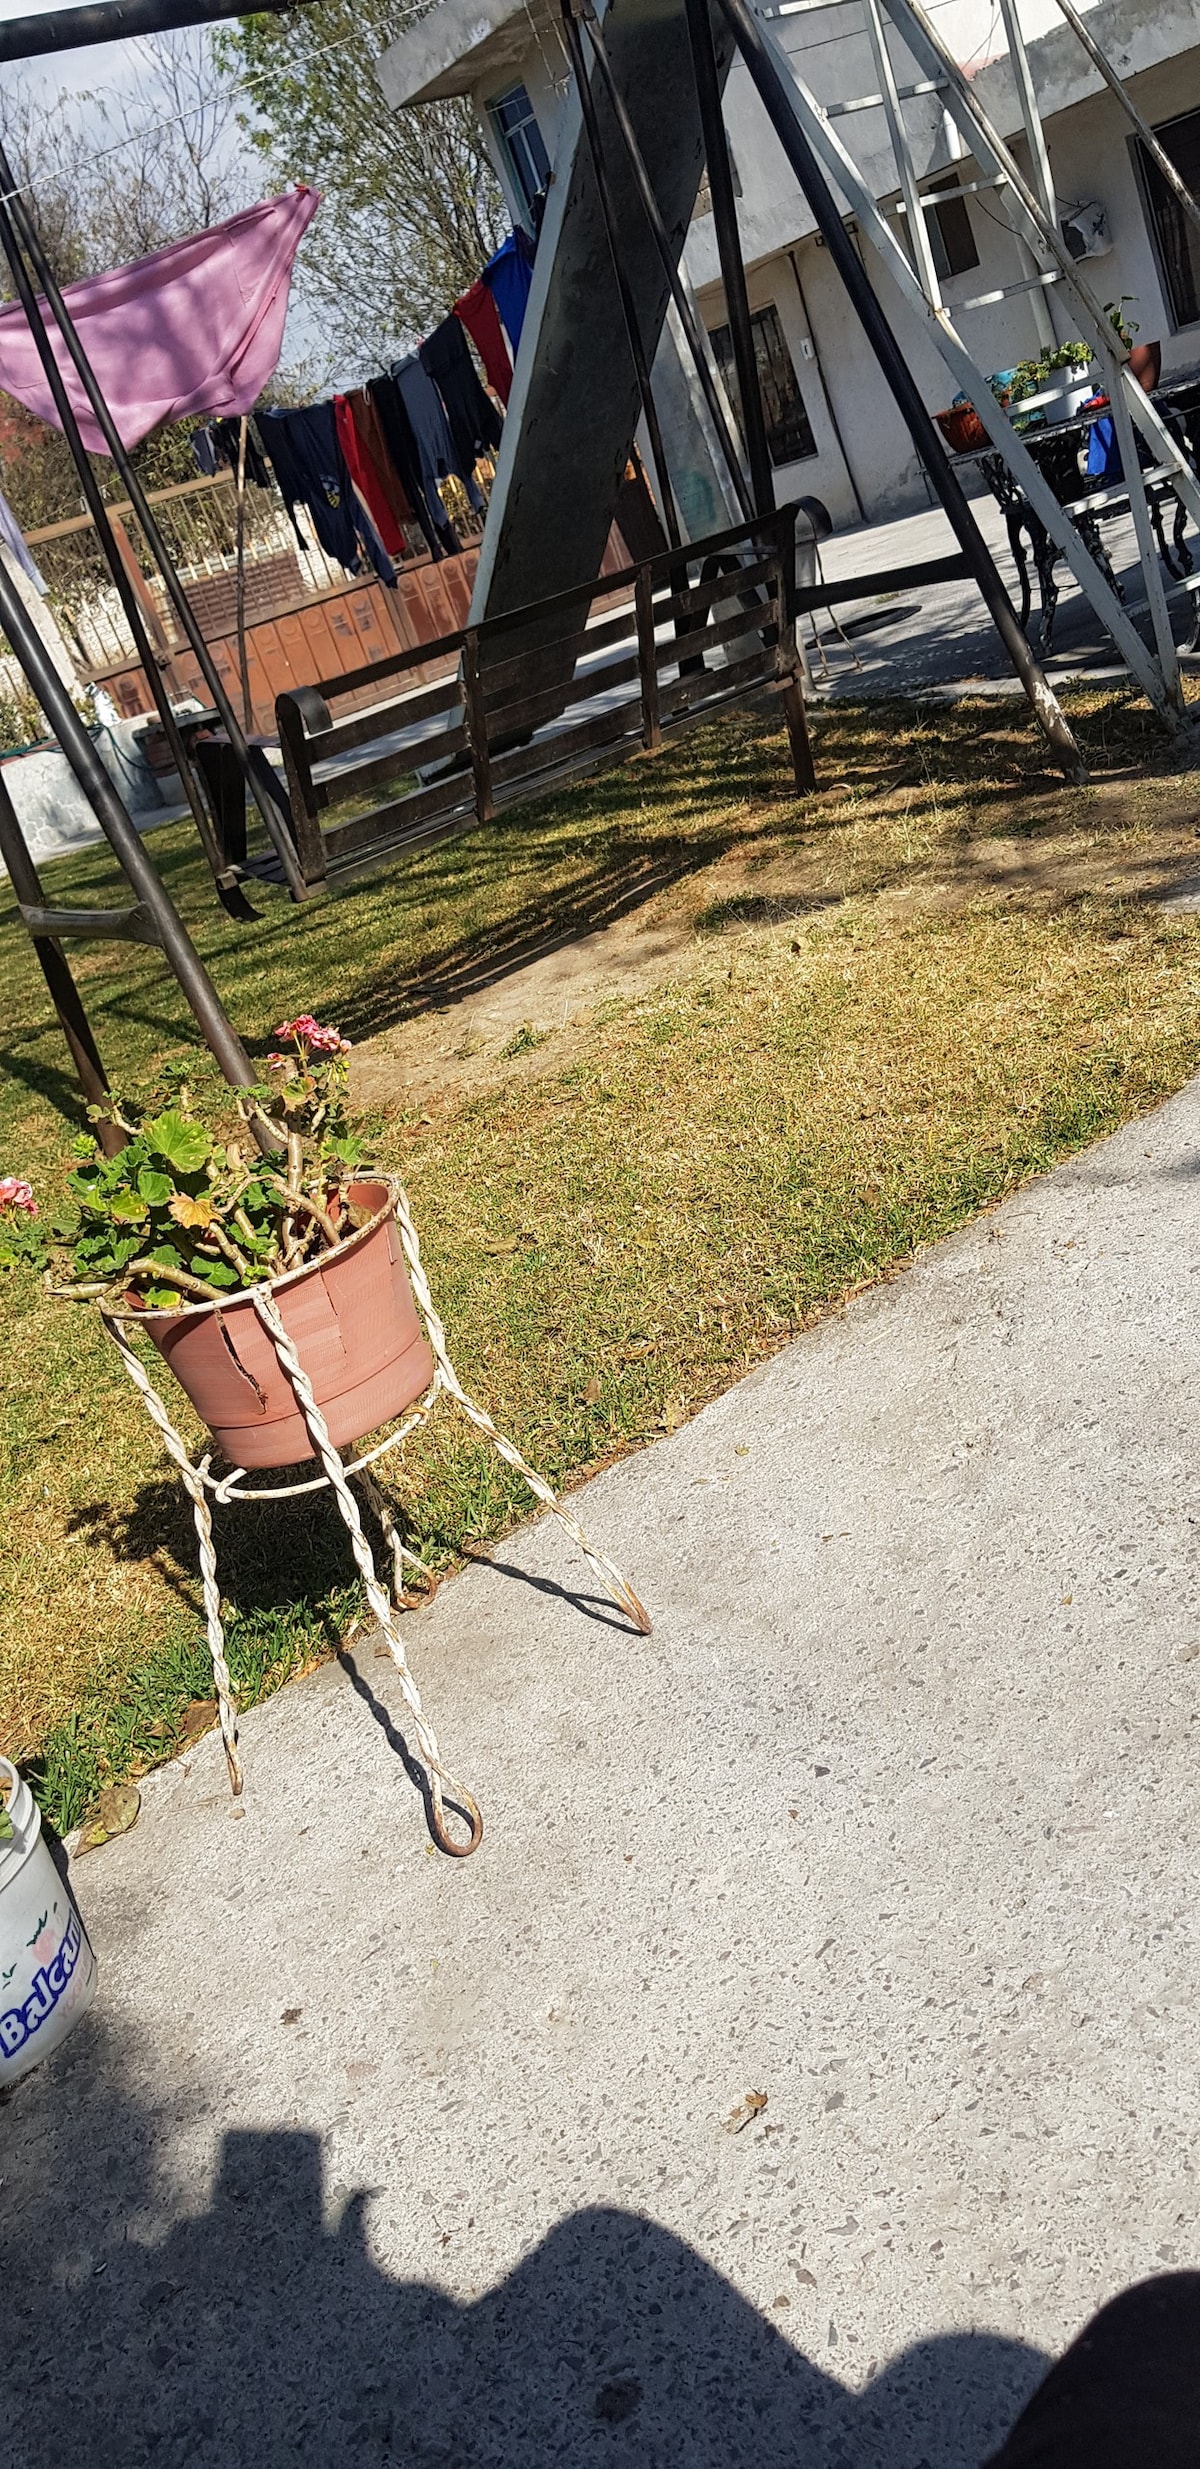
<point>162,1298</point>
<point>347,1152</point>
<point>96,1251</point>
<point>129,1209</point>
<point>217,1272</point>
<point>184,1144</point>
<point>166,1256</point>
<point>154,1187</point>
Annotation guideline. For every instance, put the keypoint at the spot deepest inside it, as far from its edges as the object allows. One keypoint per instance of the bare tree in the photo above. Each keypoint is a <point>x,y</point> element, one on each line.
<point>411,210</point>
<point>113,176</point>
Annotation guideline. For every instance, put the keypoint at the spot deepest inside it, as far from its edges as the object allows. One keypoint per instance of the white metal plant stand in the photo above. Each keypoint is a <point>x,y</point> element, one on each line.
<point>441,1788</point>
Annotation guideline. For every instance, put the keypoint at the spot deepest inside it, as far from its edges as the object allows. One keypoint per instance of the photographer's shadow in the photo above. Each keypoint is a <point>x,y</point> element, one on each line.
<point>261,2332</point>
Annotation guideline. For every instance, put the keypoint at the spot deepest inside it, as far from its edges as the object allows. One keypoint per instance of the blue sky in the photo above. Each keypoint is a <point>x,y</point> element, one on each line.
<point>102,64</point>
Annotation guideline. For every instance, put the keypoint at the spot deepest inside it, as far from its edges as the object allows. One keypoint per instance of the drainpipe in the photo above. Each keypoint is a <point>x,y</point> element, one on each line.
<point>826,397</point>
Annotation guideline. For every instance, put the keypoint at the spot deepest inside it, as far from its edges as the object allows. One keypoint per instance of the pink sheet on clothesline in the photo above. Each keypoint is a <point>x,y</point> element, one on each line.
<point>197,327</point>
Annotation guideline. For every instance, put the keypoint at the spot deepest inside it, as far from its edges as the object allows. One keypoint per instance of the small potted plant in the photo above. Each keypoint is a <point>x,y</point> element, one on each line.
<point>180,1226</point>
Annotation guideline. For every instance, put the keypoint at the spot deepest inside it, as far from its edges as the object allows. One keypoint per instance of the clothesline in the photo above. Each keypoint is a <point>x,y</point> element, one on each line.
<point>367,465</point>
<point>173,120</point>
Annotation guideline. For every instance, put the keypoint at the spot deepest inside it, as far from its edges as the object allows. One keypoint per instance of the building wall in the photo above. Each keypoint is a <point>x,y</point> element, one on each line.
<point>1092,157</point>
<point>864,458</point>
<point>843,391</point>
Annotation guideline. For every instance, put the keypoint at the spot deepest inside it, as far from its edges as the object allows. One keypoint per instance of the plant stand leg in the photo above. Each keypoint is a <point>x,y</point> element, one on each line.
<point>376,1499</point>
<point>193,1480</point>
<point>606,1570</point>
<point>441,1784</point>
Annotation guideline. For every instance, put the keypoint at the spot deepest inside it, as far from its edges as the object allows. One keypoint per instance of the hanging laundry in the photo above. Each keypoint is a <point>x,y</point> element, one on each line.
<point>475,423</point>
<point>402,447</point>
<point>508,276</point>
<point>14,541</point>
<point>439,456</point>
<point>217,443</point>
<point>226,435</point>
<point>374,446</point>
<point>368,480</point>
<point>477,311</point>
<point>311,470</point>
<point>197,327</point>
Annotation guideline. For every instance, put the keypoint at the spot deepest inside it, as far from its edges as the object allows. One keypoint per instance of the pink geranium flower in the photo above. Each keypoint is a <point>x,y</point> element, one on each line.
<point>309,1033</point>
<point>16,1193</point>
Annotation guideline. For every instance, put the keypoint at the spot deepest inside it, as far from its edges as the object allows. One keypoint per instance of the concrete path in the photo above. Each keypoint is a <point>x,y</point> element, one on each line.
<point>933,639</point>
<point>368,2157</point>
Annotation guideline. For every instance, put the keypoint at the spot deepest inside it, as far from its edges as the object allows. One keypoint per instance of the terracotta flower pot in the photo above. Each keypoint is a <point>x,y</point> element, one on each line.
<point>1145,360</point>
<point>351,1317</point>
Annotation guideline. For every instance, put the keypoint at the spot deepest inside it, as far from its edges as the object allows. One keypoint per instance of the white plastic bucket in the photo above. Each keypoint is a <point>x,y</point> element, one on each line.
<point>47,1968</point>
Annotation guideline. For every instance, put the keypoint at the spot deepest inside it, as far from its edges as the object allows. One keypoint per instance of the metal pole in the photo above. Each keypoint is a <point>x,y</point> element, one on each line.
<point>608,210</point>
<point>1157,153</point>
<point>267,795</point>
<point>697,342</point>
<point>899,377</point>
<point>1035,135</point>
<point>218,1030</point>
<point>729,245</point>
<point>55,968</point>
<point>240,613</point>
<point>106,532</point>
<point>28,38</point>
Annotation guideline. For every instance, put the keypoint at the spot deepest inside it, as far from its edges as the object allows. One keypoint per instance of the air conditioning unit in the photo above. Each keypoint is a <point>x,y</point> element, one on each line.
<point>1085,230</point>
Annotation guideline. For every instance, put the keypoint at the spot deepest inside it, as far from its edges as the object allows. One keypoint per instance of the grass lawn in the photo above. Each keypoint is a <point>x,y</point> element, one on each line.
<point>885,1007</point>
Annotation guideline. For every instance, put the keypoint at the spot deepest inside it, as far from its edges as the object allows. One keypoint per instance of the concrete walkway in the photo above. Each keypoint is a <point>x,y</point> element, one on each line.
<point>939,638</point>
<point>367,2157</point>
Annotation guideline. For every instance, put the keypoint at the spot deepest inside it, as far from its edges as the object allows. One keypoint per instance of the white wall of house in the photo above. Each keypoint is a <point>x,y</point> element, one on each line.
<point>1092,157</point>
<point>862,443</point>
<point>863,460</point>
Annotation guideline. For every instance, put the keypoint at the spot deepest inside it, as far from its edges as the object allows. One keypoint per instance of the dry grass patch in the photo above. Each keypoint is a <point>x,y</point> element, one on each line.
<point>827,1081</point>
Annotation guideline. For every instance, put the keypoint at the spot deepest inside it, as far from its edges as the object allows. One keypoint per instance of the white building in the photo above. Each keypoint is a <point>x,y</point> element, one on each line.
<point>832,427</point>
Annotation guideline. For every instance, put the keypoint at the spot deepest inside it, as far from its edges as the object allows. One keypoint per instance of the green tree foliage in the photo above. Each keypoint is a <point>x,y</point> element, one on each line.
<point>411,205</point>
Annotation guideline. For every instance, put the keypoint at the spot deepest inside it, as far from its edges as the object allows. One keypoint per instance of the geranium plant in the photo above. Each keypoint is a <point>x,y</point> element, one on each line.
<point>22,1236</point>
<point>191,1207</point>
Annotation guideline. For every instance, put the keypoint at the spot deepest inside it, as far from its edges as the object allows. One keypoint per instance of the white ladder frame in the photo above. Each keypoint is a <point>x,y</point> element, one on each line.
<point>1157,670</point>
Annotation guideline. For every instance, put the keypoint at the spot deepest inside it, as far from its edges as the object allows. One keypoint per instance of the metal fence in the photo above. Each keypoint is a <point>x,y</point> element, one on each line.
<point>198,519</point>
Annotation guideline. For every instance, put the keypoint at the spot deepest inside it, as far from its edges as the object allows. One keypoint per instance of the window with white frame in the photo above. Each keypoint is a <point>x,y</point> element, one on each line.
<point>1176,239</point>
<point>521,143</point>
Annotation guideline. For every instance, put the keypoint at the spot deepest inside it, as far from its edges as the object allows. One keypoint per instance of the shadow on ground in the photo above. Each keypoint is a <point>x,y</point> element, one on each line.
<point>454,919</point>
<point>248,2323</point>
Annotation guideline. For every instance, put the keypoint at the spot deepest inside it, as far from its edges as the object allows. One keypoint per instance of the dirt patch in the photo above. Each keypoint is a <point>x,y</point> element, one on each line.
<point>531,1020</point>
<point>1125,836</point>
